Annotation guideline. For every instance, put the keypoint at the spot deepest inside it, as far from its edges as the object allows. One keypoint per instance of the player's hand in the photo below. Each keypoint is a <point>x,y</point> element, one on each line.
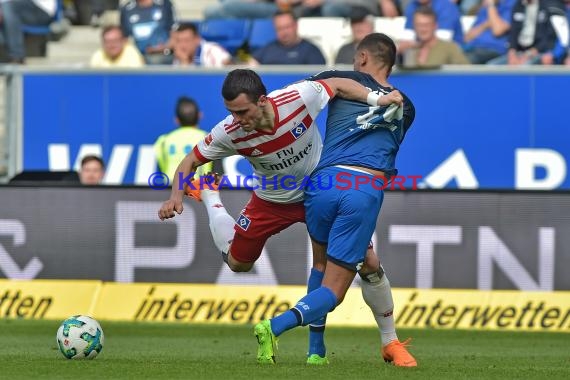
<point>170,208</point>
<point>394,97</point>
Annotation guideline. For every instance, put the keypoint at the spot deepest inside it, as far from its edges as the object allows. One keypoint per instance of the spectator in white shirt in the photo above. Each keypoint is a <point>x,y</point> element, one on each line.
<point>191,49</point>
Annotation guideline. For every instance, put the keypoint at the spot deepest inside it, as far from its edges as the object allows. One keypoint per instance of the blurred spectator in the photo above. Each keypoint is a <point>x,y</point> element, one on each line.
<point>116,51</point>
<point>390,8</point>
<point>538,35</point>
<point>487,38</point>
<point>92,170</point>
<point>360,27</point>
<point>97,9</point>
<point>149,23</point>
<point>241,9</point>
<point>85,12</point>
<point>289,48</point>
<point>469,7</point>
<point>567,2</point>
<point>172,147</point>
<point>340,8</point>
<point>448,22</point>
<point>430,51</point>
<point>14,14</point>
<point>190,49</point>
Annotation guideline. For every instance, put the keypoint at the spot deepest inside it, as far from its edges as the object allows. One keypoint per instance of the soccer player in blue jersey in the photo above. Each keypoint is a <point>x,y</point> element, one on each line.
<point>360,140</point>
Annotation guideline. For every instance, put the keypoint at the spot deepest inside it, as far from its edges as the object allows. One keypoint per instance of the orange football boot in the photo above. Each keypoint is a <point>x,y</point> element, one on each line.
<point>396,352</point>
<point>210,181</point>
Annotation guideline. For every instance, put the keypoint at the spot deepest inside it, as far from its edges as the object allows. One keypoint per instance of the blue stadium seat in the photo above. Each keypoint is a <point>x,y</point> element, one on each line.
<point>262,33</point>
<point>230,33</point>
<point>45,29</point>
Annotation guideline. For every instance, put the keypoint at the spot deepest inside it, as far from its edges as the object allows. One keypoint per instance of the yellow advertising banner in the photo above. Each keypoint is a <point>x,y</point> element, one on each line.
<point>431,308</point>
<point>188,303</point>
<point>474,309</point>
<point>194,303</point>
<point>47,299</point>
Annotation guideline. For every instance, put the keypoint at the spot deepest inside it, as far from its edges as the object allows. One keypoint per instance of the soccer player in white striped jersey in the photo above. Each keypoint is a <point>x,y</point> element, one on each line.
<point>277,134</point>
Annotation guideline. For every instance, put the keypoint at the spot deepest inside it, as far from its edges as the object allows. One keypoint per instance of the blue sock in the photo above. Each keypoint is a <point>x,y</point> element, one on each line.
<point>317,328</point>
<point>309,309</point>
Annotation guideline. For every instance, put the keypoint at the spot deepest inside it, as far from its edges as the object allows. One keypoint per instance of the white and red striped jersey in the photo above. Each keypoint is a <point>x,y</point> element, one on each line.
<point>290,152</point>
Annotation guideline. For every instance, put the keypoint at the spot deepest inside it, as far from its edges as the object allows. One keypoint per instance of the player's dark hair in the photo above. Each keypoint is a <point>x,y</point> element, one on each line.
<point>91,157</point>
<point>381,47</point>
<point>243,81</point>
<point>187,111</point>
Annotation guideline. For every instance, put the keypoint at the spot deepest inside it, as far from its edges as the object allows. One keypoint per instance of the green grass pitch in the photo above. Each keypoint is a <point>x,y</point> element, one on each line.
<point>172,351</point>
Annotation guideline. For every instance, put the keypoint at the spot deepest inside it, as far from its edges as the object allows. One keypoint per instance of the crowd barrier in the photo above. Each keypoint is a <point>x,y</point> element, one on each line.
<point>476,129</point>
<point>425,239</point>
<point>191,303</point>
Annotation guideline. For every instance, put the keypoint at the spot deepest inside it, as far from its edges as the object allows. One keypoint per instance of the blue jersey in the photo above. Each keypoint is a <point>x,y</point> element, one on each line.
<point>357,134</point>
<point>149,26</point>
<point>303,53</point>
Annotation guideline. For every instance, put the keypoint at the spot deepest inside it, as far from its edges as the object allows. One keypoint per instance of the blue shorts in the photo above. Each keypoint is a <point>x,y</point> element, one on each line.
<point>341,207</point>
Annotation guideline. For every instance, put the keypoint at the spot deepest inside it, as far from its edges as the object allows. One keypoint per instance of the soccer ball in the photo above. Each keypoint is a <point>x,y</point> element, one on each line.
<point>80,337</point>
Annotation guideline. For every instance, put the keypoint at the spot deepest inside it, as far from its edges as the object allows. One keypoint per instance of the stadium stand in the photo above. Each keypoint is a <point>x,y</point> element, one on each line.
<point>262,33</point>
<point>327,33</point>
<point>37,36</point>
<point>231,33</point>
<point>78,45</point>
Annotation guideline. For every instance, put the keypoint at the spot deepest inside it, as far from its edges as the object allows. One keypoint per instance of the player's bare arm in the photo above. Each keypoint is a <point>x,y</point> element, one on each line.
<point>174,205</point>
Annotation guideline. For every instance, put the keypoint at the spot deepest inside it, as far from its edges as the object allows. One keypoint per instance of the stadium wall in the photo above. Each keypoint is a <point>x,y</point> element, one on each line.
<point>426,239</point>
<point>183,303</point>
<point>474,129</point>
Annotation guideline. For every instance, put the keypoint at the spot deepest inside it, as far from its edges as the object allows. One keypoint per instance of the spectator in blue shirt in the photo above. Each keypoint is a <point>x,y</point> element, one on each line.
<point>149,22</point>
<point>488,37</point>
<point>538,35</point>
<point>289,48</point>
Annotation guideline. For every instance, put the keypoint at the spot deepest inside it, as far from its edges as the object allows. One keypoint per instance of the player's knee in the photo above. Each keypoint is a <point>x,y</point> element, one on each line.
<point>371,275</point>
<point>371,262</point>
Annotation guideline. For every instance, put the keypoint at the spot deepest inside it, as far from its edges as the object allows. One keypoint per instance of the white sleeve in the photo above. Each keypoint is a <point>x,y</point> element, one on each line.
<point>315,95</point>
<point>215,55</point>
<point>217,144</point>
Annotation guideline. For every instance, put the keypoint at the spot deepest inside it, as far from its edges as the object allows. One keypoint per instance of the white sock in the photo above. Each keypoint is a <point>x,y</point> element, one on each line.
<point>221,223</point>
<point>378,296</point>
